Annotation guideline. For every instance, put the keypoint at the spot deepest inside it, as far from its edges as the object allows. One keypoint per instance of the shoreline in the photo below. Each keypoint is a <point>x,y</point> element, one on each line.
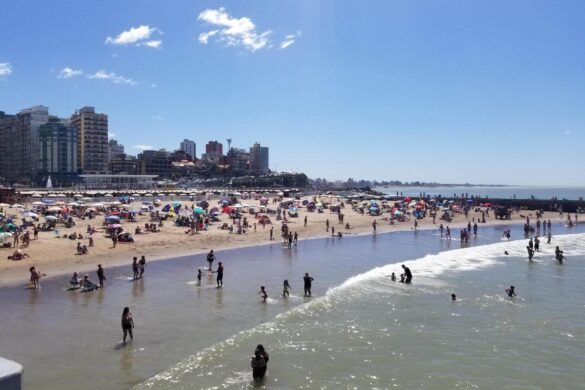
<point>17,276</point>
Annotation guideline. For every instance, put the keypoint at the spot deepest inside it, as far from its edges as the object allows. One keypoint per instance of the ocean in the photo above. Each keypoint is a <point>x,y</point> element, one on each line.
<point>507,192</point>
<point>359,330</point>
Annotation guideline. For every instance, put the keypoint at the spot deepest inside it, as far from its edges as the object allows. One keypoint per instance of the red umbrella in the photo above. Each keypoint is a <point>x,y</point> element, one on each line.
<point>487,205</point>
<point>407,199</point>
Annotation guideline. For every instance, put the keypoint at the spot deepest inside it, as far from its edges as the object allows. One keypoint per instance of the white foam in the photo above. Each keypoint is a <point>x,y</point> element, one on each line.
<point>426,271</point>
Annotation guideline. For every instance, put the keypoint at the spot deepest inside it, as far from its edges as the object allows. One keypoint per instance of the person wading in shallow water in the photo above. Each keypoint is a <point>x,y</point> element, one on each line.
<point>127,324</point>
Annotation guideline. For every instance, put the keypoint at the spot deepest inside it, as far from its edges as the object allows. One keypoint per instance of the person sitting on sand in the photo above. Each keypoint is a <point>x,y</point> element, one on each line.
<point>18,255</point>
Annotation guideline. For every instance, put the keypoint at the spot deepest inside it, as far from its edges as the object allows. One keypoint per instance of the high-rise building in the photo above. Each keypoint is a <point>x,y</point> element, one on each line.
<point>213,152</point>
<point>214,147</point>
<point>92,149</point>
<point>189,147</point>
<point>155,162</point>
<point>19,138</point>
<point>57,148</point>
<point>239,161</point>
<point>115,150</point>
<point>259,160</point>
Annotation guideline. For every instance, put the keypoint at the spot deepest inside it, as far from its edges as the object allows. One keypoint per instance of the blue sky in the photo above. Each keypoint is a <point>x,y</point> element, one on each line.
<point>448,91</point>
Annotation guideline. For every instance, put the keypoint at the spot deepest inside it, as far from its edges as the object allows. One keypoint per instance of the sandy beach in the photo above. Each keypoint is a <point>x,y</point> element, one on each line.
<point>55,256</point>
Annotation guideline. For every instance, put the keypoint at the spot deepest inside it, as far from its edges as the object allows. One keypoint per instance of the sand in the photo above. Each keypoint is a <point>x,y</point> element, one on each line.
<point>57,256</point>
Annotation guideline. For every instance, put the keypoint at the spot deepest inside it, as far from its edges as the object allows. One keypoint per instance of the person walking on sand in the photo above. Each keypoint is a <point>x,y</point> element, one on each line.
<point>101,276</point>
<point>305,224</point>
<point>264,294</point>
<point>135,272</point>
<point>285,288</point>
<point>210,258</point>
<point>141,266</point>
<point>308,281</point>
<point>127,325</point>
<point>219,275</point>
<point>271,233</point>
<point>374,225</point>
<point>327,225</point>
<point>415,224</point>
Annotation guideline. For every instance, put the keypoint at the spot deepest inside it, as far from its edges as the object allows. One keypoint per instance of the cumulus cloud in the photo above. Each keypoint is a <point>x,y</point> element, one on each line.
<point>68,73</point>
<point>230,31</point>
<point>289,40</point>
<point>143,147</point>
<point>5,69</point>
<point>137,36</point>
<point>111,76</point>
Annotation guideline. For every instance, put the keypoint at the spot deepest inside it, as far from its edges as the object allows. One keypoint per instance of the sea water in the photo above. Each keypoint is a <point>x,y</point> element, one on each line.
<point>359,330</point>
<point>492,192</point>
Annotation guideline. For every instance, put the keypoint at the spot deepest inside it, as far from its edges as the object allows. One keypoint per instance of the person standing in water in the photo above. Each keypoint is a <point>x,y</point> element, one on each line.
<point>511,292</point>
<point>258,366</point>
<point>285,288</point>
<point>559,255</point>
<point>220,275</point>
<point>141,266</point>
<point>100,275</point>
<point>127,324</point>
<point>210,258</point>
<point>35,277</point>
<point>548,237</point>
<point>441,228</point>
<point>374,226</point>
<point>453,297</point>
<point>536,244</point>
<point>263,293</point>
<point>135,268</point>
<point>530,252</point>
<point>308,281</point>
<point>199,274</point>
<point>407,274</point>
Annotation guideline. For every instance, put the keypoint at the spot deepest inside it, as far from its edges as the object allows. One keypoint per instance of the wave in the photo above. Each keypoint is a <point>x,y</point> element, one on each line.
<point>426,270</point>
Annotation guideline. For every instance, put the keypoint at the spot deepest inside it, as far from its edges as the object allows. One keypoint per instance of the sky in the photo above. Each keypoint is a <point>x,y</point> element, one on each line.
<point>435,90</point>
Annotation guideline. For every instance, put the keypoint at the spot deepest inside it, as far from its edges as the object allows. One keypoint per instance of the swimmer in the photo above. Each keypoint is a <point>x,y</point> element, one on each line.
<point>75,282</point>
<point>127,324</point>
<point>559,255</point>
<point>88,285</point>
<point>453,297</point>
<point>511,292</point>
<point>506,253</point>
<point>530,252</point>
<point>264,294</point>
<point>393,277</point>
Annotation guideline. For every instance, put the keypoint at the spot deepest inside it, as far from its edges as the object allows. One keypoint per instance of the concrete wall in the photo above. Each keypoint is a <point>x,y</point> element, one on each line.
<point>10,375</point>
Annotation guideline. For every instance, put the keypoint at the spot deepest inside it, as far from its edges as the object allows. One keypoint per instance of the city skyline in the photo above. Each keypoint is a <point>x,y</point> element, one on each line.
<point>441,91</point>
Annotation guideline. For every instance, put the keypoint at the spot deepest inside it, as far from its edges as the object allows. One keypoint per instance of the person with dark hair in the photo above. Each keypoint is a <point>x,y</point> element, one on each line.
<point>285,288</point>
<point>141,266</point>
<point>264,294</point>
<point>210,258</point>
<point>219,275</point>
<point>258,366</point>
<point>407,274</point>
<point>127,324</point>
<point>511,292</point>
<point>308,283</point>
<point>135,268</point>
<point>101,276</point>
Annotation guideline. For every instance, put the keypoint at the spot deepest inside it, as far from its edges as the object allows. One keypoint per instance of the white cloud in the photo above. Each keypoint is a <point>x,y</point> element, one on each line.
<point>233,31</point>
<point>68,73</point>
<point>138,36</point>
<point>289,40</point>
<point>5,69</point>
<point>152,85</point>
<point>154,44</point>
<point>113,77</point>
<point>568,132</point>
<point>143,147</point>
<point>157,117</point>
<point>111,135</point>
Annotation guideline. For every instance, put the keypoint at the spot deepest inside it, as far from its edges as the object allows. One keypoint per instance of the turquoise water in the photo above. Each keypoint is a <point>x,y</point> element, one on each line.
<point>360,330</point>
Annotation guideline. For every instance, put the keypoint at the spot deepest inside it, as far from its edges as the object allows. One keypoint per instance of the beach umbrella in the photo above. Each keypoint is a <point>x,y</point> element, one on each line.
<point>4,205</point>
<point>144,207</point>
<point>112,218</point>
<point>5,235</point>
<point>115,203</point>
<point>199,211</point>
<point>54,209</point>
<point>148,195</point>
<point>114,226</point>
<point>203,204</point>
<point>36,195</point>
<point>76,196</point>
<point>37,203</point>
<point>407,199</point>
<point>17,206</point>
<point>86,198</point>
<point>136,195</point>
<point>487,205</point>
<point>108,196</point>
<point>50,218</point>
<point>30,214</point>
